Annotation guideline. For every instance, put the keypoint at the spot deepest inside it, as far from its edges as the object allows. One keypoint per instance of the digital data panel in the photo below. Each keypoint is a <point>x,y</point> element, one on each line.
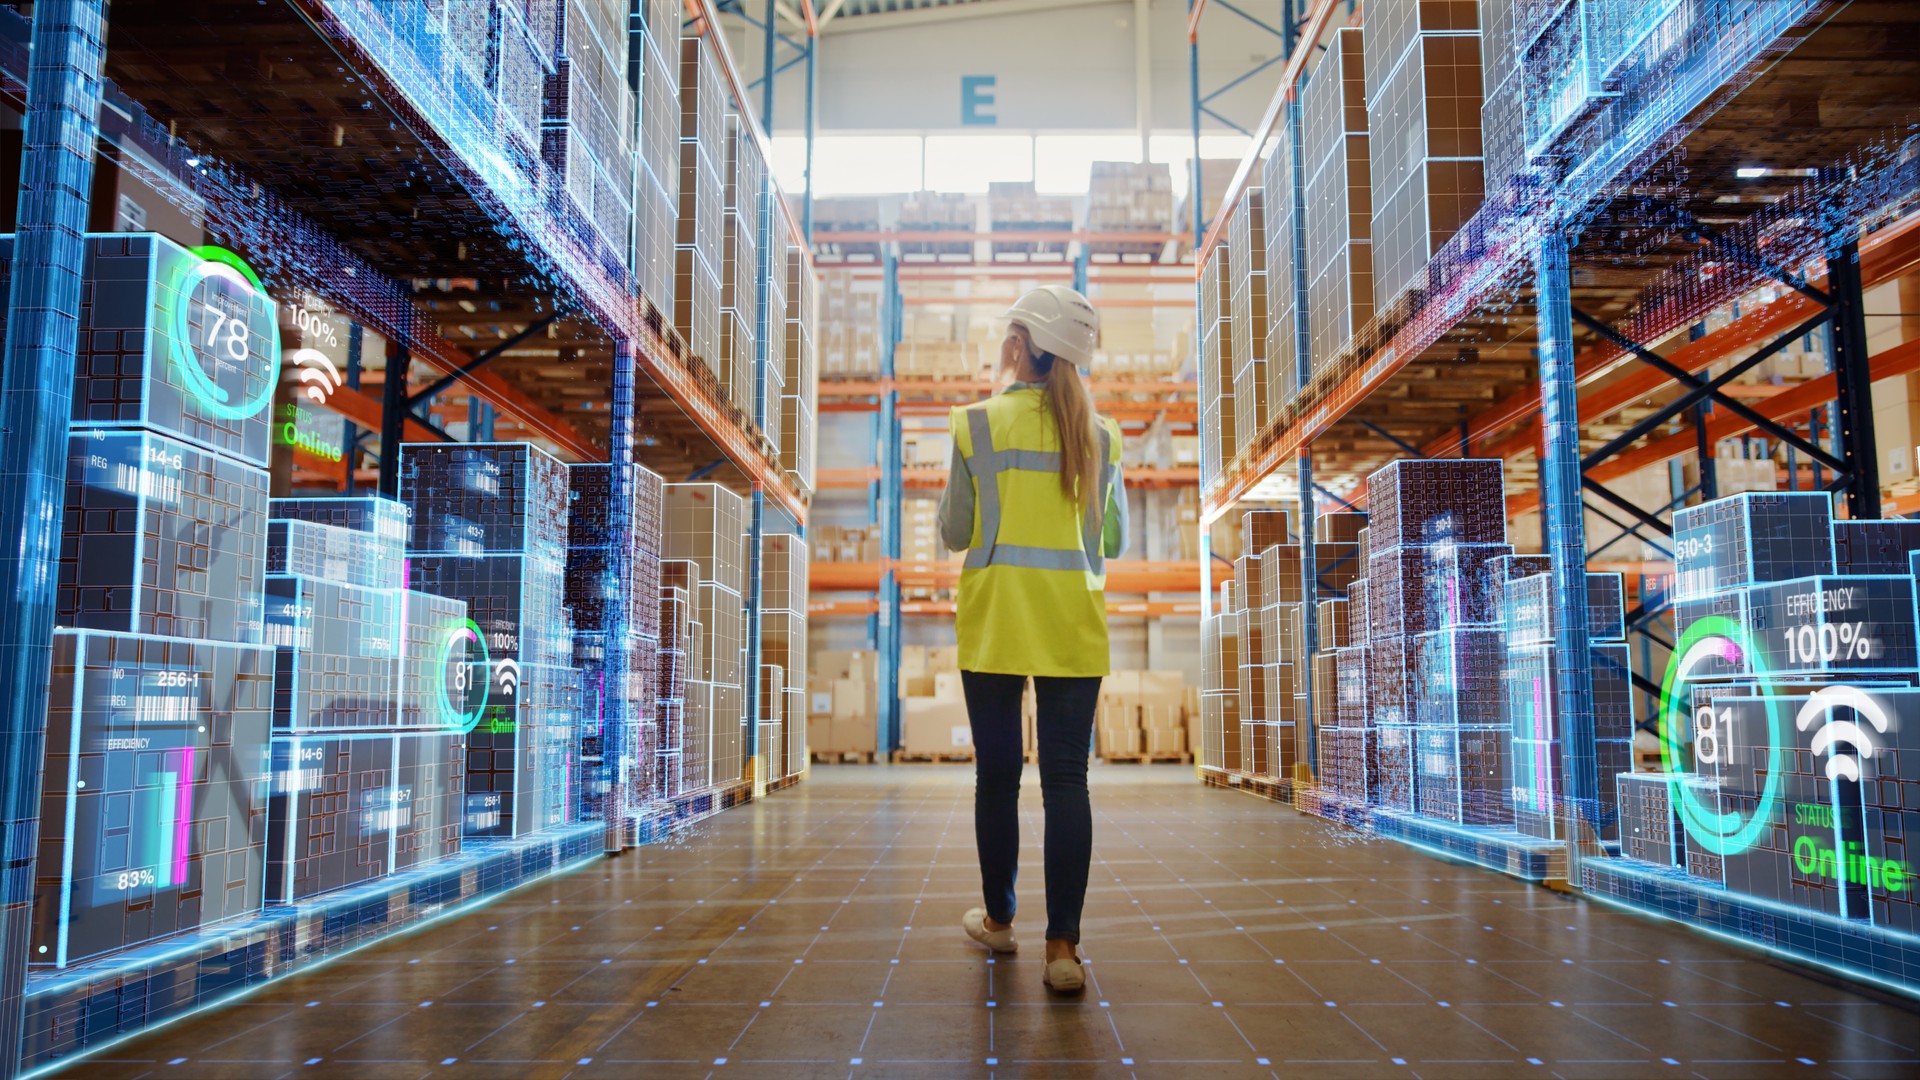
<point>155,813</point>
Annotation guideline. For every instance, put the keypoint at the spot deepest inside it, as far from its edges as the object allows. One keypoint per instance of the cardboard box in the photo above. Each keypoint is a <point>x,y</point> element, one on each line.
<point>852,699</point>
<point>946,686</point>
<point>935,726</point>
<point>855,733</point>
<point>1165,741</point>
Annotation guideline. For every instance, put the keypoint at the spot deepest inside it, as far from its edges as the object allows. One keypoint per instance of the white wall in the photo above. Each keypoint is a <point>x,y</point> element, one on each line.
<point>1060,65</point>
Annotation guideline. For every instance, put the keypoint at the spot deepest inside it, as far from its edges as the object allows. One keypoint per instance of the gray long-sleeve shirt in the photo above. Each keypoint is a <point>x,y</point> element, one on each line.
<point>957,509</point>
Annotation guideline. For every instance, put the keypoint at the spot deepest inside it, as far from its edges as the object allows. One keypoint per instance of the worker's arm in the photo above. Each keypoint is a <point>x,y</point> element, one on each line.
<point>1113,538</point>
<point>956,504</point>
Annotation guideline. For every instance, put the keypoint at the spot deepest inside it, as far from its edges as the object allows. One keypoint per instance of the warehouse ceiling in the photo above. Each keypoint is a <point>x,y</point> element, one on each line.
<point>881,7</point>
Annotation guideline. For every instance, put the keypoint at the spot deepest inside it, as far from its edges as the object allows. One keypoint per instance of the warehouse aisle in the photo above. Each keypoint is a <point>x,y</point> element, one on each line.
<point>816,934</point>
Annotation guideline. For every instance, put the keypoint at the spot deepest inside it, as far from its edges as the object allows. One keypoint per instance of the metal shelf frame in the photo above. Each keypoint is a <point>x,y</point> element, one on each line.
<point>1521,244</point>
<point>70,107</point>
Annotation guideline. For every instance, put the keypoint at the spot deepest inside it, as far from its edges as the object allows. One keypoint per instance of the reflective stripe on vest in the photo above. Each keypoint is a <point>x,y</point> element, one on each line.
<point>987,463</point>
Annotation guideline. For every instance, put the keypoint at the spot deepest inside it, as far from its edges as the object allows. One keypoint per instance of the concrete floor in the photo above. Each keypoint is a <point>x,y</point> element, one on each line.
<point>817,934</point>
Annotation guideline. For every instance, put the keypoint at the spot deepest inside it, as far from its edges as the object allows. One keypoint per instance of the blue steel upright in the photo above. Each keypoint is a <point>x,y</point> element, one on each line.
<point>1565,525</point>
<point>892,488</point>
<point>757,526</point>
<point>615,631</point>
<point>1303,373</point>
<point>43,325</point>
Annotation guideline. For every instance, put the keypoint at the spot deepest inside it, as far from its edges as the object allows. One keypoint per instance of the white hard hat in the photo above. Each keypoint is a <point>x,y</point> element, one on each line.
<point>1059,321</point>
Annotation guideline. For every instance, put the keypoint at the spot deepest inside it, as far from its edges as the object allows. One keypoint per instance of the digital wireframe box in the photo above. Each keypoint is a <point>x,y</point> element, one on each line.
<point>484,499</point>
<point>154,811</point>
<point>1749,539</point>
<point>354,807</point>
<point>173,342</point>
<point>161,537</point>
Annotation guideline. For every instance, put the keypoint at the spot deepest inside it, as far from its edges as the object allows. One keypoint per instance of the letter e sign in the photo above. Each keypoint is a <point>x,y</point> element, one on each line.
<point>976,100</point>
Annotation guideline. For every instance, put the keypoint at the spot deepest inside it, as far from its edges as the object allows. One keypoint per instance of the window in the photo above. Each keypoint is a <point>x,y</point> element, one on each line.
<point>968,163</point>
<point>1063,163</point>
<point>865,164</point>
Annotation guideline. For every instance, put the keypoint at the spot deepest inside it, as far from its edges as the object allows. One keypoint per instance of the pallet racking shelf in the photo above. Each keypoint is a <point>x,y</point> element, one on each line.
<point>307,137</point>
<point>1572,328</point>
<point>874,590</point>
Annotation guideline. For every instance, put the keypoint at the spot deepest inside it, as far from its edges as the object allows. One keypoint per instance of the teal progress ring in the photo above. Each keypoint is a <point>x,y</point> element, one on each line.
<point>468,630</point>
<point>1715,637</point>
<point>205,390</point>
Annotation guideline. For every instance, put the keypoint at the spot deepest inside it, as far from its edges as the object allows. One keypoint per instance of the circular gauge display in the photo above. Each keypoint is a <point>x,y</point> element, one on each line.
<point>226,340</point>
<point>1720,832</point>
<point>465,677</point>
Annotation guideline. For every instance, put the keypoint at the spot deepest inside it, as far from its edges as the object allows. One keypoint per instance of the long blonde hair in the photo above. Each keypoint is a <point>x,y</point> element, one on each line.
<point>1074,418</point>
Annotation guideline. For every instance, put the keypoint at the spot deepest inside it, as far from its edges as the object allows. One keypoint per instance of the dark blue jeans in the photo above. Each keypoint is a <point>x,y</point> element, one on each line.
<point>1066,708</point>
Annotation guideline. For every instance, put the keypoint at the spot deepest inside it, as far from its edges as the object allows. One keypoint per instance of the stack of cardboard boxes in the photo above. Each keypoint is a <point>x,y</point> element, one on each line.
<point>1216,175</point>
<point>846,543</point>
<point>1145,714</point>
<point>933,710</point>
<point>930,348</point>
<point>849,324</point>
<point>1017,208</point>
<point>1127,196</point>
<point>1140,340</point>
<point>937,212</point>
<point>842,700</point>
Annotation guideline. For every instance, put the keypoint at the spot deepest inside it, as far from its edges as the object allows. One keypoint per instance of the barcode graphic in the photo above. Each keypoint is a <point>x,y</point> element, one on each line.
<point>163,710</point>
<point>135,480</point>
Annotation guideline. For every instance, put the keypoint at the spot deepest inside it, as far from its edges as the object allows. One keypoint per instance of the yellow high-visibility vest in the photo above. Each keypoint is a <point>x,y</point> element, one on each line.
<point>1032,595</point>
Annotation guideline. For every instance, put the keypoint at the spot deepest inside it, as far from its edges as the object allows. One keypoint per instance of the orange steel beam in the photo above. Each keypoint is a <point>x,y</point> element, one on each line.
<point>966,236</point>
<point>1123,575</point>
<point>1145,477</point>
<point>1131,608</point>
<point>843,607</point>
<point>1792,402</point>
<point>1178,272</point>
<point>1884,256</point>
<point>845,478</point>
<point>365,410</point>
<point>978,387</point>
<point>1116,410</point>
<point>1135,274</point>
<point>1007,301</point>
<point>1193,20</point>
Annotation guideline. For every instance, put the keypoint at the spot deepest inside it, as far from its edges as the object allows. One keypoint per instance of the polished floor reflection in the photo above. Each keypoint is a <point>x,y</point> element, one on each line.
<point>817,934</point>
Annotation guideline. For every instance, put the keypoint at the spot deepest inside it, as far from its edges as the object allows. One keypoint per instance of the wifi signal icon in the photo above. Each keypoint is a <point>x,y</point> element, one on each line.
<point>1833,733</point>
<point>317,375</point>
<point>507,673</point>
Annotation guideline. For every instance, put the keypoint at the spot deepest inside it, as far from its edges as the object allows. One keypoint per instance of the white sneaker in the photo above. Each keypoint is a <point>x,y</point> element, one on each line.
<point>1065,976</point>
<point>974,922</point>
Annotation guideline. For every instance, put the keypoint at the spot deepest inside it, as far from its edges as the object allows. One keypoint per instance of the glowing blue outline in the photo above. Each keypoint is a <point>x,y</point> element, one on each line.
<point>181,350</point>
<point>1695,818</point>
<point>463,908</point>
<point>1735,899</point>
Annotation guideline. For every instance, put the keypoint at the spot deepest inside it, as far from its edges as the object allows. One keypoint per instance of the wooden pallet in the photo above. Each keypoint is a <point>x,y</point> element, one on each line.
<point>842,757</point>
<point>901,757</point>
<point>1147,759</point>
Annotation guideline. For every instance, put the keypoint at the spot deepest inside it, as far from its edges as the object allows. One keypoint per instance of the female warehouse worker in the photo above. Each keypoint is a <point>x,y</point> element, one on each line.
<point>1034,499</point>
